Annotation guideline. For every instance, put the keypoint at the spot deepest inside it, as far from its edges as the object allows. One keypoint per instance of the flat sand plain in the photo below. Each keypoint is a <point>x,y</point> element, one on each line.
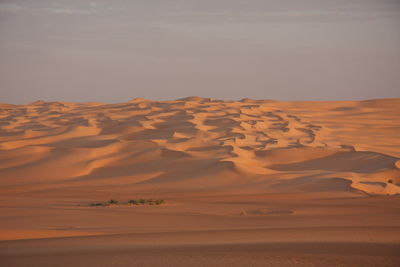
<point>245,183</point>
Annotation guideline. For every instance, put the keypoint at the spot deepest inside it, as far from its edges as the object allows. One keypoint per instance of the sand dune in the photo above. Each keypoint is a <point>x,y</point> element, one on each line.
<point>70,141</point>
<point>195,152</point>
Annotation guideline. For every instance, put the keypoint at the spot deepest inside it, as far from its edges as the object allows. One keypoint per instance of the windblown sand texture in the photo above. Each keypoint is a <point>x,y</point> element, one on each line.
<point>234,174</point>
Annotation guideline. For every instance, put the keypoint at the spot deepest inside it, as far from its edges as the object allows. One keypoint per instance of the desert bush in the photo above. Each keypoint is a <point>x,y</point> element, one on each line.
<point>159,202</point>
<point>141,201</point>
<point>96,204</point>
<point>150,201</point>
<point>112,201</point>
<point>133,201</point>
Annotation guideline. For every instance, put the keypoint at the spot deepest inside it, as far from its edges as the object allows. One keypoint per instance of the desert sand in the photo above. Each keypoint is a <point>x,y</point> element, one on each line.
<point>245,183</point>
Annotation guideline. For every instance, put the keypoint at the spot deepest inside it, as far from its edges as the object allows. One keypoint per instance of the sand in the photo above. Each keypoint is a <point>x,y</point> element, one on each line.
<point>245,183</point>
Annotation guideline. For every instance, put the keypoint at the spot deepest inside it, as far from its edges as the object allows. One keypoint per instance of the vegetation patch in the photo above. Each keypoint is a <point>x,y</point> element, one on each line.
<point>146,201</point>
<point>97,204</point>
<point>140,201</point>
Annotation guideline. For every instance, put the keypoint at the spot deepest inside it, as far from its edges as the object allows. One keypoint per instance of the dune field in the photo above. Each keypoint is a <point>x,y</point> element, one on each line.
<point>243,183</point>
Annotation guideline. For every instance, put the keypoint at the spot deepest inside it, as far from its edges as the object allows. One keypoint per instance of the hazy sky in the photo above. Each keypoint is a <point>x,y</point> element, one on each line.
<point>113,51</point>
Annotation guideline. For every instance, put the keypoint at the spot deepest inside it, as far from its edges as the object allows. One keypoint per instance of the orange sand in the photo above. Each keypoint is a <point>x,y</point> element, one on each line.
<point>269,179</point>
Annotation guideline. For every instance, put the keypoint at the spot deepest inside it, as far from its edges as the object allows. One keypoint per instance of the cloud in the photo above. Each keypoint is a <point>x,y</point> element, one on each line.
<point>12,7</point>
<point>68,10</point>
<point>209,13</point>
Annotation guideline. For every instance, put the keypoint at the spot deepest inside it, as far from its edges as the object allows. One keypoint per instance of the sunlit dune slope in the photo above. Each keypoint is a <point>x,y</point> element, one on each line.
<point>199,143</point>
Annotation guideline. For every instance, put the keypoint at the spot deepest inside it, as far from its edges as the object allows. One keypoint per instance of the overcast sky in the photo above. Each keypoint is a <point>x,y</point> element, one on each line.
<point>113,51</point>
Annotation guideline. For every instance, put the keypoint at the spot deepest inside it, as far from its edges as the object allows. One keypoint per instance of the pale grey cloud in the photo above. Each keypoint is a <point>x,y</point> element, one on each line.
<point>53,7</point>
<point>10,7</point>
<point>68,10</point>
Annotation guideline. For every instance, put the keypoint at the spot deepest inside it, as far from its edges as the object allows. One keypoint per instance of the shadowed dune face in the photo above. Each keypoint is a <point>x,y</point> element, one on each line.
<point>360,162</point>
<point>200,143</point>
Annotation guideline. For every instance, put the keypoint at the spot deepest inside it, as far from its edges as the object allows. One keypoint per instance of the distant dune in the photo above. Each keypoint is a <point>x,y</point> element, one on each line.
<point>219,165</point>
<point>199,142</point>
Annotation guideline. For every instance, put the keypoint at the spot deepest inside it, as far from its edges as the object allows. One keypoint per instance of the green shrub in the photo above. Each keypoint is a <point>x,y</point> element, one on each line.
<point>133,201</point>
<point>159,202</point>
<point>96,204</point>
<point>113,201</point>
<point>141,201</point>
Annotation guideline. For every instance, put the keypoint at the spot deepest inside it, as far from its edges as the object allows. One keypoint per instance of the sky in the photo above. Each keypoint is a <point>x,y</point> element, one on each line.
<point>114,51</point>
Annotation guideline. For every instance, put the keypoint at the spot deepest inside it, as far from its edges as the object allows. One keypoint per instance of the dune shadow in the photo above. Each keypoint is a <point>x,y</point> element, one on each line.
<point>352,161</point>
